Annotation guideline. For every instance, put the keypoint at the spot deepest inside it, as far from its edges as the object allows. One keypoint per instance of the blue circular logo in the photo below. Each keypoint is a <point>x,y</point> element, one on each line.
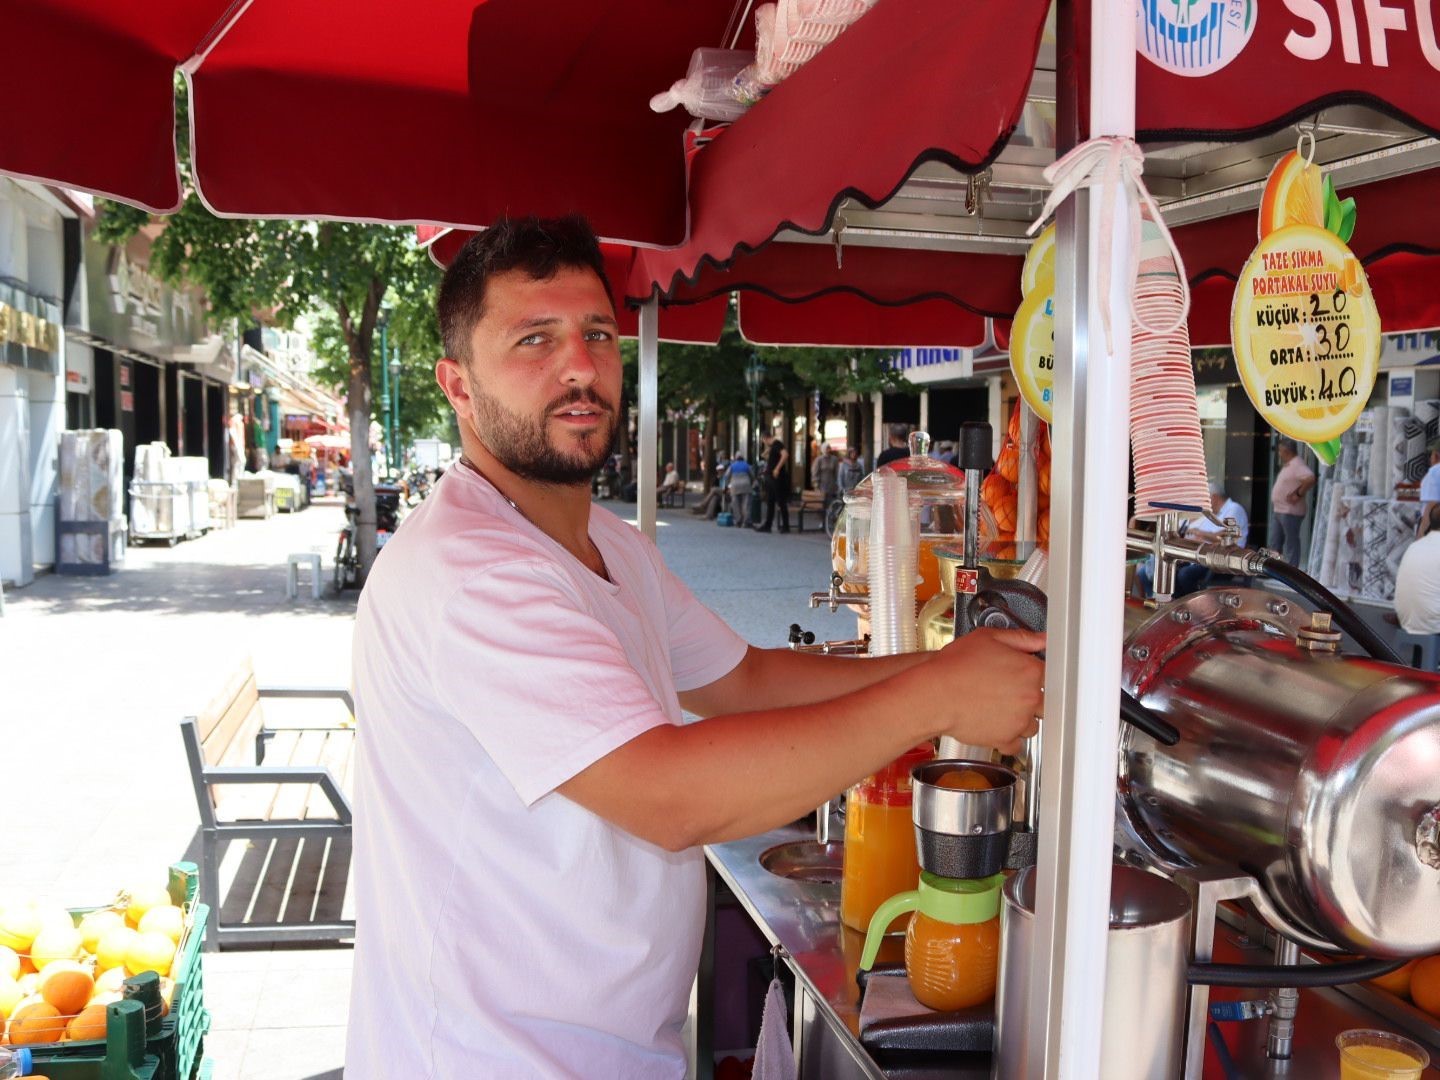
<point>1194,37</point>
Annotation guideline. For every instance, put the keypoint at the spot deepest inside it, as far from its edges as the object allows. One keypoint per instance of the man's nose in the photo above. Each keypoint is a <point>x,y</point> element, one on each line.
<point>577,364</point>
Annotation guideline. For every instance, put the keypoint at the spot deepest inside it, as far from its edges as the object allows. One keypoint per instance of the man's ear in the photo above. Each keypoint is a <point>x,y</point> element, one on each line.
<point>450,374</point>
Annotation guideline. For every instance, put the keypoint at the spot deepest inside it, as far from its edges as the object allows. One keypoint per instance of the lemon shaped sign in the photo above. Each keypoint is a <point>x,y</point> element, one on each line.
<point>1306,333</point>
<point>1032,352</point>
<point>1038,273</point>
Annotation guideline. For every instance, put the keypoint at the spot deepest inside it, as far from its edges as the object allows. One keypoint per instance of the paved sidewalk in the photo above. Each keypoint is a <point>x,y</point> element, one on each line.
<point>96,673</point>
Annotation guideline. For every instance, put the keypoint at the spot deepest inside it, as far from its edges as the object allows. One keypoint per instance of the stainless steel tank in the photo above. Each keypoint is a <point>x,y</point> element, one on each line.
<point>1315,772</point>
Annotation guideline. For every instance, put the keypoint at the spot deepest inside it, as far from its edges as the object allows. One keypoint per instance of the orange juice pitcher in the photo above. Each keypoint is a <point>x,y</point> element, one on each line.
<point>952,945</point>
<point>880,853</point>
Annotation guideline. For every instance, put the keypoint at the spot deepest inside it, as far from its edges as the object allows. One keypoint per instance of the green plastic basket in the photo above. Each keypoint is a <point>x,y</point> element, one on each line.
<point>176,1042</point>
<point>122,1055</point>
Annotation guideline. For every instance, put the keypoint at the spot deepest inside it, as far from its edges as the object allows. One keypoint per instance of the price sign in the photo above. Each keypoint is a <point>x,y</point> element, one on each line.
<point>1032,352</point>
<point>1306,333</point>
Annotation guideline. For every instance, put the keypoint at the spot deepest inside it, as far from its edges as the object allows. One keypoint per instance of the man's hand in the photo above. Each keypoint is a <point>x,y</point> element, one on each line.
<point>987,686</point>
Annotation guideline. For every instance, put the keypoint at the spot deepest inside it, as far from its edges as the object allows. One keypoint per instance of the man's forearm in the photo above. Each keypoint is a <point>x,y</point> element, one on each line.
<point>781,678</point>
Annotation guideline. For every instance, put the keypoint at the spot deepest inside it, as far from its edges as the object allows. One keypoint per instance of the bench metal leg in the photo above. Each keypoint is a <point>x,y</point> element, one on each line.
<point>210,886</point>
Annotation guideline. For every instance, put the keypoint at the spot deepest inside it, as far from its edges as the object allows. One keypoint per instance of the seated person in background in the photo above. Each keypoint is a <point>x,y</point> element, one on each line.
<point>671,485</point>
<point>1191,577</point>
<point>1417,582</point>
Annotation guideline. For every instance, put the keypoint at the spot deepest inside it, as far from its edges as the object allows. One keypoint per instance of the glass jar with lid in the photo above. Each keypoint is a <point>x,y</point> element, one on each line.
<point>937,495</point>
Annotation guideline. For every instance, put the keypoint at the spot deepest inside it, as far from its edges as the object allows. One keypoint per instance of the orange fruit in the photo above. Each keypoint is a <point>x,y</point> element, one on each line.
<point>67,990</point>
<point>90,1024</point>
<point>1294,195</point>
<point>11,994</point>
<point>1398,981</point>
<point>963,780</point>
<point>38,1022</point>
<point>1425,985</point>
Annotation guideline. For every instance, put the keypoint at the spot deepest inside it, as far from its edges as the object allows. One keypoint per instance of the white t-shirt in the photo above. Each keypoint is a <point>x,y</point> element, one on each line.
<point>1231,509</point>
<point>503,930</point>
<point>1430,485</point>
<point>1417,586</point>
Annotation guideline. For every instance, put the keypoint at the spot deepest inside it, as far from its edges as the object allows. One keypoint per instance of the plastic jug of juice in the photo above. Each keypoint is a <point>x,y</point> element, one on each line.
<point>880,855</point>
<point>952,946</point>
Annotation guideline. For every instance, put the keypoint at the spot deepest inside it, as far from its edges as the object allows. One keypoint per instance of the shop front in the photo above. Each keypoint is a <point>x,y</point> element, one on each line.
<point>32,365</point>
<point>155,369</point>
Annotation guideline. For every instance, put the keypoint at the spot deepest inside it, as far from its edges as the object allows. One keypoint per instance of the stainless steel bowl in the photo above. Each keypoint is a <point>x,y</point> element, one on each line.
<point>962,833</point>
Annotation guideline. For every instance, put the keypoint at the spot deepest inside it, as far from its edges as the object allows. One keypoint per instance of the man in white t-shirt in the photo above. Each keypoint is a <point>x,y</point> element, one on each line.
<point>1430,488</point>
<point>1417,581</point>
<point>529,806</point>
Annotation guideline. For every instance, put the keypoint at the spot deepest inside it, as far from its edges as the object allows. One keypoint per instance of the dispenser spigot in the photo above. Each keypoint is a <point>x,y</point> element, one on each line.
<point>835,598</point>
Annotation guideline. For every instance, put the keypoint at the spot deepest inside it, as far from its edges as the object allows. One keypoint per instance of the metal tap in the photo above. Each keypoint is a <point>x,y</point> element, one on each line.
<point>835,598</point>
<point>1284,1004</point>
<point>803,641</point>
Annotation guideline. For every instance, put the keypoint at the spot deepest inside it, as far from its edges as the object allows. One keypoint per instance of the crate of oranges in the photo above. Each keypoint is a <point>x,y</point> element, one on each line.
<point>60,968</point>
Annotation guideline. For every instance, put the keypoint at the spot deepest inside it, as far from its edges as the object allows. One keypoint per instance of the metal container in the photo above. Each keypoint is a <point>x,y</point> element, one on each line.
<point>962,833</point>
<point>1314,772</point>
<point>1146,956</point>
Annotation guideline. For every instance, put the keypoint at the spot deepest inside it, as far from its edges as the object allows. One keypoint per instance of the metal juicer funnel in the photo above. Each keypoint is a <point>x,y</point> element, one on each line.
<point>961,833</point>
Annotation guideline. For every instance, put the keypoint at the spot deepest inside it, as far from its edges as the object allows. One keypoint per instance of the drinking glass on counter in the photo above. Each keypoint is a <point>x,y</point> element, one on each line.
<point>1366,1054</point>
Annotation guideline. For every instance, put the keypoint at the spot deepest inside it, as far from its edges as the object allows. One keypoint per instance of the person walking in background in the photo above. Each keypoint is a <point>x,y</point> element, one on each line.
<point>825,475</point>
<point>850,471</point>
<point>899,445</point>
<point>777,487</point>
<point>740,481</point>
<point>1287,499</point>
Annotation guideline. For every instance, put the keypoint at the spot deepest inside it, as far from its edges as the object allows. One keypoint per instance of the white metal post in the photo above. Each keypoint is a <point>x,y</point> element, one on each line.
<point>649,434</point>
<point>995,386</point>
<point>925,413</point>
<point>1028,501</point>
<point>1087,555</point>
<point>882,441</point>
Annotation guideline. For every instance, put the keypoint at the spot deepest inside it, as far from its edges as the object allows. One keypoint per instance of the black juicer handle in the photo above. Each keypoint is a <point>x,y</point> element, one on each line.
<point>976,440</point>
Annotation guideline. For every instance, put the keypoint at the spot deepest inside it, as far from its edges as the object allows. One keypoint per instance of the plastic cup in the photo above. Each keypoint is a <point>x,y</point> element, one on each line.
<point>1366,1054</point>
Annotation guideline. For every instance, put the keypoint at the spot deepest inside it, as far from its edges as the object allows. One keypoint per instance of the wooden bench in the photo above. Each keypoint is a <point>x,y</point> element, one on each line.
<point>282,786</point>
<point>812,500</point>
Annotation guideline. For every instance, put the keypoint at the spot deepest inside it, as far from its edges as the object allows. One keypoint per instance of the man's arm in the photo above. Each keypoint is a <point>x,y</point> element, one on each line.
<point>780,678</point>
<point>737,775</point>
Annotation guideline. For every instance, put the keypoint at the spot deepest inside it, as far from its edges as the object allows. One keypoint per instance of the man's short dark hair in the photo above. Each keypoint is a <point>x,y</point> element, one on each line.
<point>538,247</point>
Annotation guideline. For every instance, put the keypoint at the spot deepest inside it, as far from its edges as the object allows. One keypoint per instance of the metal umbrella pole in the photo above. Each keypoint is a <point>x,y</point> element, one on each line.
<point>648,435</point>
<point>1092,381</point>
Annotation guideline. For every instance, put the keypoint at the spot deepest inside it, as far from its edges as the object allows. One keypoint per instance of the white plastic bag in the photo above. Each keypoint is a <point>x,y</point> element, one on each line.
<point>708,89</point>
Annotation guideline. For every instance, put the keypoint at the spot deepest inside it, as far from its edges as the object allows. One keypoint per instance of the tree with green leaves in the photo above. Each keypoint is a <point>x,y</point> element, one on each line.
<point>280,270</point>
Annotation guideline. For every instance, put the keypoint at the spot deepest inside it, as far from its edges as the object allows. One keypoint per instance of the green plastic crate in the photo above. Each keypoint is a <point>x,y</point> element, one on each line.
<point>121,1056</point>
<point>176,1042</point>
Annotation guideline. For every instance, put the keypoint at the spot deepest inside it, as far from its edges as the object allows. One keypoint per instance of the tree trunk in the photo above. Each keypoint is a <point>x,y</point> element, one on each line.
<point>358,406</point>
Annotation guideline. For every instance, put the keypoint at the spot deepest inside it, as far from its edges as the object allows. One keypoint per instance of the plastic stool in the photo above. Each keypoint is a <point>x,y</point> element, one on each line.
<point>292,573</point>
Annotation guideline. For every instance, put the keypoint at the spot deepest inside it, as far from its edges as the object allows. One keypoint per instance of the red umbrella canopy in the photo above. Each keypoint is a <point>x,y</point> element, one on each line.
<point>451,111</point>
<point>454,112</point>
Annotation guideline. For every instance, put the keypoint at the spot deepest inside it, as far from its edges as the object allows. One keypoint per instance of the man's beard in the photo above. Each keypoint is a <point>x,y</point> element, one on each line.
<point>523,446</point>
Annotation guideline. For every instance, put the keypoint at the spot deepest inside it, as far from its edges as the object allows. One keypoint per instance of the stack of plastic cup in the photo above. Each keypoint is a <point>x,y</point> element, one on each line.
<point>1169,453</point>
<point>893,556</point>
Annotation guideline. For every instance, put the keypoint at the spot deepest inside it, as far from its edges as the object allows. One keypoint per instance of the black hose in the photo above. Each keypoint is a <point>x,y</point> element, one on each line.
<point>1137,715</point>
<point>1222,1051</point>
<point>1267,976</point>
<point>1322,597</point>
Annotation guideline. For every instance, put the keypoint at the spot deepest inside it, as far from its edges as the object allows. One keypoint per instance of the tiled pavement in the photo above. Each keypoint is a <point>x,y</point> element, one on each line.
<point>95,674</point>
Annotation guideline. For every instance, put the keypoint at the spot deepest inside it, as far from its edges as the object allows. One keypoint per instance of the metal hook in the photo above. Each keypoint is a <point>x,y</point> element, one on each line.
<point>836,229</point>
<point>1305,131</point>
<point>976,186</point>
<point>777,953</point>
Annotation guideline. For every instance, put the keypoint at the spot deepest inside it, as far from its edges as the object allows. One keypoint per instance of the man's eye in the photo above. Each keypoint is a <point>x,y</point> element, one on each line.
<point>532,339</point>
<point>598,335</point>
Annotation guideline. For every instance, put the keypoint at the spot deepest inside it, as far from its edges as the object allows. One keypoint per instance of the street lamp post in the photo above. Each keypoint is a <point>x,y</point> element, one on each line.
<point>395,405</point>
<point>754,378</point>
